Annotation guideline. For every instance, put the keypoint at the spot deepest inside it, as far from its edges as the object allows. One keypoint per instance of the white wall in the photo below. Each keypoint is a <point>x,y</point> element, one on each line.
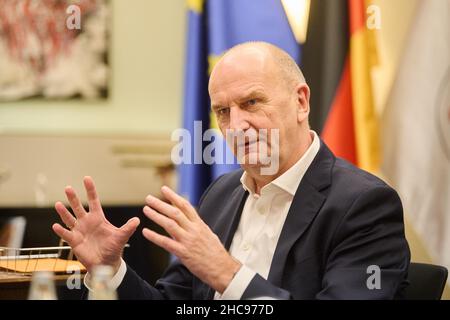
<point>36,169</point>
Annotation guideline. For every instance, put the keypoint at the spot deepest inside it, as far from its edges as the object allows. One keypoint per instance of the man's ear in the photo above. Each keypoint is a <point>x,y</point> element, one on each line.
<point>302,97</point>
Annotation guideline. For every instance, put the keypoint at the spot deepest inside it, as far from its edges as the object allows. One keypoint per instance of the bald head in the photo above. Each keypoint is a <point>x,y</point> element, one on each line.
<point>287,68</point>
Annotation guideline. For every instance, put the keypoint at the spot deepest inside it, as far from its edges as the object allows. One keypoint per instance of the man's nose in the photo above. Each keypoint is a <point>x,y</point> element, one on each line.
<point>238,119</point>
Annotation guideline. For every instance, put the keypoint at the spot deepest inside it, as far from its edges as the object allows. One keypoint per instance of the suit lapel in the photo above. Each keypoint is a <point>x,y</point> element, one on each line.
<point>230,215</point>
<point>306,204</point>
<point>226,224</point>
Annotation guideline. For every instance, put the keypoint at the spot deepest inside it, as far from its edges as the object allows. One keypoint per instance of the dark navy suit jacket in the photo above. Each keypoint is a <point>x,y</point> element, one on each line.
<point>342,221</point>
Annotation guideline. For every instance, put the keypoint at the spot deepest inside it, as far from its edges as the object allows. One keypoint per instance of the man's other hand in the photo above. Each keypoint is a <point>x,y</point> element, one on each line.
<point>94,239</point>
<point>192,241</point>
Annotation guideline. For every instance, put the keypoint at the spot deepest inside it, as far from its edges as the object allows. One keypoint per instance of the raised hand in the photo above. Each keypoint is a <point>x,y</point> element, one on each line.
<point>93,238</point>
<point>192,241</point>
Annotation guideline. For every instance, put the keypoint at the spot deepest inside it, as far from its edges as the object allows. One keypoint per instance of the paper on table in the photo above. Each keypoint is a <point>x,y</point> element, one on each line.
<point>31,265</point>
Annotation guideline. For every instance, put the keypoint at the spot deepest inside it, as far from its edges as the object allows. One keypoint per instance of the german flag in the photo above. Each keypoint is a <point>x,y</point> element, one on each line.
<point>337,58</point>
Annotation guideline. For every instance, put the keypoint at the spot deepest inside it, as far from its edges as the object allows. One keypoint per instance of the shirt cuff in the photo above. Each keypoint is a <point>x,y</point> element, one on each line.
<point>115,281</point>
<point>238,285</point>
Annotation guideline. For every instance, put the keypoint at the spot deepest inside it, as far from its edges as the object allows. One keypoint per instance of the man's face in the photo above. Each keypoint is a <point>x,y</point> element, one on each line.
<point>248,94</point>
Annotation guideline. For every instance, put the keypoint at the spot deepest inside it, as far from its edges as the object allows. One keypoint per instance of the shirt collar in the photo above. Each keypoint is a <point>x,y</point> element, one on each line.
<point>290,180</point>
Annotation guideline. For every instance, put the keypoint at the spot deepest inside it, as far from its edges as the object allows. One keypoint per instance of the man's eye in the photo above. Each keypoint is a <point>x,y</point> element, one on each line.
<point>251,102</point>
<point>222,112</point>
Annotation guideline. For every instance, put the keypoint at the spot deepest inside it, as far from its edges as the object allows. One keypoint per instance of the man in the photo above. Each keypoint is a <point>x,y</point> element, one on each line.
<point>317,228</point>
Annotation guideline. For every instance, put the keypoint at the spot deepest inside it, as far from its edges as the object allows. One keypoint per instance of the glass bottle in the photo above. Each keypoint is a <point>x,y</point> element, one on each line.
<point>42,286</point>
<point>101,288</point>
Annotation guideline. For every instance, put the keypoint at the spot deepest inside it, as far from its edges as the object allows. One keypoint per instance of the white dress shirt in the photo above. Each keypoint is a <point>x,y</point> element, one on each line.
<point>259,229</point>
<point>262,220</point>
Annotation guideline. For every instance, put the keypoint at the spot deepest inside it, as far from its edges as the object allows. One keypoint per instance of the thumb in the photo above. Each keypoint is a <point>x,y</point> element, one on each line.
<point>130,227</point>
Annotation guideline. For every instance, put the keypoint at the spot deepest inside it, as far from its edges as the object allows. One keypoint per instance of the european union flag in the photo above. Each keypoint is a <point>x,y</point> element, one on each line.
<point>214,26</point>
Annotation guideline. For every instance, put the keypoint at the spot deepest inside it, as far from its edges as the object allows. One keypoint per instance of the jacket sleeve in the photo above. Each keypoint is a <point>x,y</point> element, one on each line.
<point>175,284</point>
<point>370,256</point>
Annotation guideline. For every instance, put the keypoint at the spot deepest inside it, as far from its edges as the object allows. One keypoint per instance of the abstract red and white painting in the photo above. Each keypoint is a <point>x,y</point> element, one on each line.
<point>54,49</point>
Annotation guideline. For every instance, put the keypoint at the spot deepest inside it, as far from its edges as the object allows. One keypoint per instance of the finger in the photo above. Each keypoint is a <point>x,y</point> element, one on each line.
<point>130,227</point>
<point>168,224</point>
<point>162,241</point>
<point>181,203</point>
<point>75,202</point>
<point>64,214</point>
<point>93,200</point>
<point>169,210</point>
<point>63,233</point>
